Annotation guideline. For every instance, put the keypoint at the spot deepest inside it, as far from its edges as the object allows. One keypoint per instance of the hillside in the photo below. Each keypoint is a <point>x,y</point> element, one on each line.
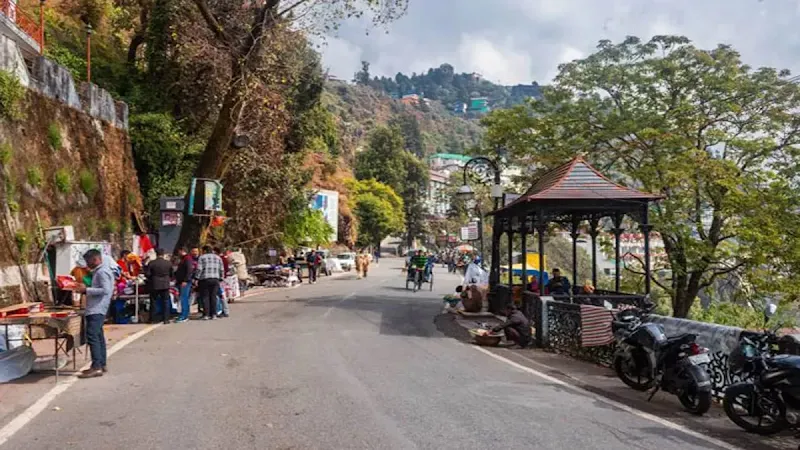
<point>358,109</point>
<point>450,88</point>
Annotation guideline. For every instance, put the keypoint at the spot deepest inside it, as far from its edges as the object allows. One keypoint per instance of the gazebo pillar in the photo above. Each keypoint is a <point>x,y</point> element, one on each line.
<point>646,227</point>
<point>593,233</point>
<point>523,232</point>
<point>541,228</point>
<point>510,252</point>
<point>497,233</point>
<point>617,233</point>
<point>575,233</point>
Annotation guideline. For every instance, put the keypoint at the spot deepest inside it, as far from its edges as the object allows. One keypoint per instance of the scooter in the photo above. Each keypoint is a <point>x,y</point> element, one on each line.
<point>647,359</point>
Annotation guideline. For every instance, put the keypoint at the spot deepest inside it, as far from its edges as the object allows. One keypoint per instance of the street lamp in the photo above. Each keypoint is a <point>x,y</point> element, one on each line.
<point>486,169</point>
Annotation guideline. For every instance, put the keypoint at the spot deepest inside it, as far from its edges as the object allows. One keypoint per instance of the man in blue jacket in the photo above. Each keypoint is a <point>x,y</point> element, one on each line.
<point>98,299</point>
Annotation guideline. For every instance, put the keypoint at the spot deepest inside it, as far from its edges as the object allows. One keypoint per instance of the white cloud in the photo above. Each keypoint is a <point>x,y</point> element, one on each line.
<point>523,40</point>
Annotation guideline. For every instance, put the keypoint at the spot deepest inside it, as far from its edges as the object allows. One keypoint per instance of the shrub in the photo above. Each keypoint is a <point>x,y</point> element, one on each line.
<point>63,181</point>
<point>54,136</point>
<point>87,182</point>
<point>34,176</point>
<point>13,206</point>
<point>11,93</point>
<point>22,241</point>
<point>6,152</point>
<point>111,226</point>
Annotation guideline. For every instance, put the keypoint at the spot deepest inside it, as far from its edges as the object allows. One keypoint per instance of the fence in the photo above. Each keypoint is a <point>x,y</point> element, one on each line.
<point>558,328</point>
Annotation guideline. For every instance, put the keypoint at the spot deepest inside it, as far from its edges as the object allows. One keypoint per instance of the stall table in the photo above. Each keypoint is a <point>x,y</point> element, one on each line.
<point>66,328</point>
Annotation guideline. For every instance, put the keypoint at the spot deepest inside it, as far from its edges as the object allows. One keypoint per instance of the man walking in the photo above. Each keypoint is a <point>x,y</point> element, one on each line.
<point>159,273</point>
<point>98,299</point>
<point>183,280</point>
<point>311,261</point>
<point>208,276</point>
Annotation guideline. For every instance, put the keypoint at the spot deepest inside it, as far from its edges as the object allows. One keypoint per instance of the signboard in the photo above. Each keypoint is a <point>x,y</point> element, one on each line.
<point>171,218</point>
<point>272,253</point>
<point>213,196</point>
<point>471,232</point>
<point>328,203</point>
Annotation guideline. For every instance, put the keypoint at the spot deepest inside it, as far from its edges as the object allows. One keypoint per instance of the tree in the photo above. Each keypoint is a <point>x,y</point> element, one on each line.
<point>383,159</point>
<point>306,226</point>
<point>414,194</point>
<point>408,125</point>
<point>362,77</point>
<point>245,35</point>
<point>715,137</point>
<point>379,210</point>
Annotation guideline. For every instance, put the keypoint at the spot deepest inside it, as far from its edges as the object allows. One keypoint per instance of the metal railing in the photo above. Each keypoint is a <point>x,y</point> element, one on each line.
<point>26,21</point>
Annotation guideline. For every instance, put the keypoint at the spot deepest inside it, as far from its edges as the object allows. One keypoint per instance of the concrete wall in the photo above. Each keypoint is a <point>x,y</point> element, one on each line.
<point>55,82</point>
<point>11,60</point>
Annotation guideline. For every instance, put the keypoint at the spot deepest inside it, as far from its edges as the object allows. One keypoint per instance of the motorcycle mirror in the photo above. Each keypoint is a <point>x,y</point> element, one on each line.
<point>607,305</point>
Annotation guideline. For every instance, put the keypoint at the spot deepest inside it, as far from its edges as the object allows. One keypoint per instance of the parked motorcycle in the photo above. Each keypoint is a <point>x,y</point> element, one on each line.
<point>647,359</point>
<point>771,395</point>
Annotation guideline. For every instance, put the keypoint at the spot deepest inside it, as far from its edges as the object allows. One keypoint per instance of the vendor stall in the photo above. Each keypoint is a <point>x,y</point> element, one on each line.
<point>63,325</point>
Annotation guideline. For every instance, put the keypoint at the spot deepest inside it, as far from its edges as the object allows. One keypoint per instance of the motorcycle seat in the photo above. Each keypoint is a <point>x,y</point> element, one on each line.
<point>685,338</point>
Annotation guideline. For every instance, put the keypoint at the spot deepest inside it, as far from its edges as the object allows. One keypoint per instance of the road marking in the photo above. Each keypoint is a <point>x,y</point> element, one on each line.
<point>346,297</point>
<point>608,401</point>
<point>29,414</point>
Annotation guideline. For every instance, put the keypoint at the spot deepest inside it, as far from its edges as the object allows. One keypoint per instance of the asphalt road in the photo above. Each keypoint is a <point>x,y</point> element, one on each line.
<point>344,364</point>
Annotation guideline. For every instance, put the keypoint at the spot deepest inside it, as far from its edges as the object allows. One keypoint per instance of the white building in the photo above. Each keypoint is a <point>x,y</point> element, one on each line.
<point>438,202</point>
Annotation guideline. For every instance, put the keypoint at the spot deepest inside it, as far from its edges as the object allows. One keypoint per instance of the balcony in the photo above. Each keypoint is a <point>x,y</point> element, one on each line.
<point>22,26</point>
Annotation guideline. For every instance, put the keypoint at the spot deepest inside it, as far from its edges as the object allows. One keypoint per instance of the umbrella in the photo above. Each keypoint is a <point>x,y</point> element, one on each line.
<point>465,248</point>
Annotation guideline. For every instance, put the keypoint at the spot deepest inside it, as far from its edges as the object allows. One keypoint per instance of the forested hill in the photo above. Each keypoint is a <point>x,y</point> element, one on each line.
<point>448,87</point>
<point>427,127</point>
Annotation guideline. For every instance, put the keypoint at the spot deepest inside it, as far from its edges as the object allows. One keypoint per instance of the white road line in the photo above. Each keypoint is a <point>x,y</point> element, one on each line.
<point>608,401</point>
<point>29,414</point>
<point>346,297</point>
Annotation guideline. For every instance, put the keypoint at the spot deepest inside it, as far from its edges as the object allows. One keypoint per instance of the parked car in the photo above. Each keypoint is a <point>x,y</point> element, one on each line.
<point>347,261</point>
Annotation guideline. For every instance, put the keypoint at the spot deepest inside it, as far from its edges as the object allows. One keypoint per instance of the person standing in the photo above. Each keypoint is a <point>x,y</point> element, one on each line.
<point>222,293</point>
<point>159,273</point>
<point>239,262</point>
<point>98,300</point>
<point>208,276</point>
<point>183,279</point>
<point>311,261</point>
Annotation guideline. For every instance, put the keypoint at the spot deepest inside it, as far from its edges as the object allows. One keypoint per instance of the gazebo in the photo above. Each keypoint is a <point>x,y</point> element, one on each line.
<point>569,196</point>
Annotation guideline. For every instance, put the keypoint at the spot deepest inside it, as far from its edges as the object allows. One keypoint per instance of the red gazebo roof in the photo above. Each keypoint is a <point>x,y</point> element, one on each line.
<point>578,180</point>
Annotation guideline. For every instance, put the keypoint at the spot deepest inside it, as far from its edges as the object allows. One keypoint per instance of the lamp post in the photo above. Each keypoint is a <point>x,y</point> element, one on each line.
<point>485,168</point>
<point>41,26</point>
<point>88,53</point>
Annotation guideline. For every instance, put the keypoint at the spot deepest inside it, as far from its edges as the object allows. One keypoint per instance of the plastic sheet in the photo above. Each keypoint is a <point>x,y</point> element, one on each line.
<point>16,363</point>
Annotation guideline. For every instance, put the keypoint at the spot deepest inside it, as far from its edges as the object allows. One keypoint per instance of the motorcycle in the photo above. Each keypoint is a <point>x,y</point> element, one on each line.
<point>771,394</point>
<point>647,359</point>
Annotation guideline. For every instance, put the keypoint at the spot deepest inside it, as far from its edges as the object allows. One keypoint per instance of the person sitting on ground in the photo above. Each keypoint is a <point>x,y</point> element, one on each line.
<point>517,327</point>
<point>558,285</point>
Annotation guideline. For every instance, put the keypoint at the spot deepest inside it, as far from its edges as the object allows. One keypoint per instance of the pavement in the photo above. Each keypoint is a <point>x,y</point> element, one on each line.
<point>343,364</point>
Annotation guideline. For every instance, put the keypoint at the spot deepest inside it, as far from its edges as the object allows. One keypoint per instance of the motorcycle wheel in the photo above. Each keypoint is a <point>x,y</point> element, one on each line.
<point>634,381</point>
<point>775,425</point>
<point>697,403</point>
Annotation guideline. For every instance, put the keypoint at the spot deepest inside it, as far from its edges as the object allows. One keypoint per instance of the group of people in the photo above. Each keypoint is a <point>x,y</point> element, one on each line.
<point>213,276</point>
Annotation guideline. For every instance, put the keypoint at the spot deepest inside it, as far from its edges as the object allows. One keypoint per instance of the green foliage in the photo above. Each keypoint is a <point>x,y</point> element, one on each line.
<point>23,242</point>
<point>317,131</point>
<point>379,210</point>
<point>87,182</point>
<point>6,153</point>
<point>63,181</point>
<point>412,136</point>
<point>362,77</point>
<point>13,205</point>
<point>54,136</point>
<point>164,157</point>
<point>111,226</point>
<point>35,176</point>
<point>716,138</point>
<point>384,159</point>
<point>306,226</point>
<point>67,58</point>
<point>92,226</point>
<point>11,93</point>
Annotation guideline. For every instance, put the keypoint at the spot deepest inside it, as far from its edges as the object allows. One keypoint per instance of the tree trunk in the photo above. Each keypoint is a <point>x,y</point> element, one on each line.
<point>218,154</point>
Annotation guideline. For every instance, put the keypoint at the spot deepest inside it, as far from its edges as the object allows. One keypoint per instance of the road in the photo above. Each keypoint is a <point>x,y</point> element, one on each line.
<point>343,364</point>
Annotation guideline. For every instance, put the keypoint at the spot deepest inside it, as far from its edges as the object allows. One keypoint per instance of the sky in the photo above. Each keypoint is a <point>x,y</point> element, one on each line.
<point>520,41</point>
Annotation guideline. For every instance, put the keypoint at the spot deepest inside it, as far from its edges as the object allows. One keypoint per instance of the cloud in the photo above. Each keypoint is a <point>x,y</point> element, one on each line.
<point>522,40</point>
